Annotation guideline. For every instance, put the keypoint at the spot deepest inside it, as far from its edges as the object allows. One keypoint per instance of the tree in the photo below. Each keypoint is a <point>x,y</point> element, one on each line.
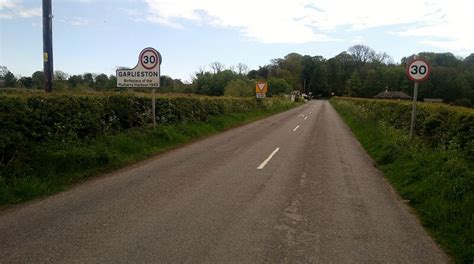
<point>354,85</point>
<point>60,76</point>
<point>277,86</point>
<point>339,70</point>
<point>373,84</point>
<point>166,82</point>
<point>101,81</point>
<point>362,53</point>
<point>382,58</point>
<point>38,79</point>
<point>10,80</point>
<point>261,73</point>
<point>217,67</point>
<point>88,79</point>
<point>469,62</point>
<point>75,80</point>
<point>26,82</point>
<point>240,88</point>
<point>441,59</point>
<point>112,83</point>
<point>3,71</point>
<point>60,80</point>
<point>289,68</point>
<point>392,77</point>
<point>242,69</point>
<point>212,83</point>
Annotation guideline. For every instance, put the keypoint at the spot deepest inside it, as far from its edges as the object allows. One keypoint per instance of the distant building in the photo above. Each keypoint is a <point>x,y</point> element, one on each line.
<point>2,83</point>
<point>398,95</point>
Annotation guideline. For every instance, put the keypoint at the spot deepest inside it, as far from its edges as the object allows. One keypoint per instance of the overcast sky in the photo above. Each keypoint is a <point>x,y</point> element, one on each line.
<point>97,36</point>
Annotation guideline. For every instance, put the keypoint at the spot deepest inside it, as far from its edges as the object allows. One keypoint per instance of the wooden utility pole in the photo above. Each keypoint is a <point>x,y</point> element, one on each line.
<point>47,46</point>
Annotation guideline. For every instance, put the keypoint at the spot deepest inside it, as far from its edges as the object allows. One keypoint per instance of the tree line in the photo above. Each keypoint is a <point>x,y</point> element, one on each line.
<point>358,72</point>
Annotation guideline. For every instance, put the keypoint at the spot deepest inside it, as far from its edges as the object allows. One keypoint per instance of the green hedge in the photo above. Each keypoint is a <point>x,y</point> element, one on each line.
<point>438,125</point>
<point>29,120</point>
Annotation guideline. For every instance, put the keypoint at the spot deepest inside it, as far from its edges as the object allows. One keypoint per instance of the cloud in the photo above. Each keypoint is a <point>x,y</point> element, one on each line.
<point>450,31</point>
<point>304,21</point>
<point>73,21</point>
<point>358,40</point>
<point>79,21</point>
<point>10,9</point>
<point>268,21</point>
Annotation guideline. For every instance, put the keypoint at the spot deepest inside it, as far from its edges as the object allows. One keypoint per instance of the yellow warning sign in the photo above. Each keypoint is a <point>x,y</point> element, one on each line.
<point>261,87</point>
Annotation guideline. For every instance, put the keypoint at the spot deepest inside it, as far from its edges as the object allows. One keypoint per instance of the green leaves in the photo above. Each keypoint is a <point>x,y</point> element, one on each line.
<point>28,121</point>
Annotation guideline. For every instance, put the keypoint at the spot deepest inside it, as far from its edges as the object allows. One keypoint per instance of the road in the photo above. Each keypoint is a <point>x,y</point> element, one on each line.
<point>296,187</point>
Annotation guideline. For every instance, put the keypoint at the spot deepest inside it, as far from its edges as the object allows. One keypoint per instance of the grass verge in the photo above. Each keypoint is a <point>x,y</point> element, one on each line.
<point>438,183</point>
<point>54,167</point>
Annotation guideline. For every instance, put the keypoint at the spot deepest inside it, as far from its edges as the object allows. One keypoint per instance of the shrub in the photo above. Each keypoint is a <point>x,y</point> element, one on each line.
<point>438,125</point>
<point>28,120</point>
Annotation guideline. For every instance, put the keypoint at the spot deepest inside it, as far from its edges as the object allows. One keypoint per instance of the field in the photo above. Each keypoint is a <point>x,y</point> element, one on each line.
<point>433,172</point>
<point>52,141</point>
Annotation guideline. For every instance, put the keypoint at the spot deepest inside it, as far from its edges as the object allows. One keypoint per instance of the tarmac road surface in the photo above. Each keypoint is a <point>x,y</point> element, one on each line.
<point>296,187</point>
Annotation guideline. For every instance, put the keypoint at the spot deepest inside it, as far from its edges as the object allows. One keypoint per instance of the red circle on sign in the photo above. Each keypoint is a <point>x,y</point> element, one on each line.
<point>428,70</point>
<point>157,56</point>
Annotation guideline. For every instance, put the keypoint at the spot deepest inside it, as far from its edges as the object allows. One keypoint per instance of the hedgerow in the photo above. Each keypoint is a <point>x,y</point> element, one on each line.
<point>30,120</point>
<point>438,125</point>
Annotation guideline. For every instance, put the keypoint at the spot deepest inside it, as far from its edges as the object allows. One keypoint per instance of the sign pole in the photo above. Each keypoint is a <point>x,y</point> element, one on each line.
<point>153,106</point>
<point>413,110</point>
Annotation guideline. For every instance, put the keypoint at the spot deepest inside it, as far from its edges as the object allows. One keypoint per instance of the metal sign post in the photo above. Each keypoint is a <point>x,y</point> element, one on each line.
<point>418,70</point>
<point>153,107</point>
<point>413,109</point>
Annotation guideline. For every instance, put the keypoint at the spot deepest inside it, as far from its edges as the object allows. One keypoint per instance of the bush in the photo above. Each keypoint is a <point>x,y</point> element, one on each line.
<point>438,125</point>
<point>28,120</point>
<point>240,88</point>
<point>278,86</point>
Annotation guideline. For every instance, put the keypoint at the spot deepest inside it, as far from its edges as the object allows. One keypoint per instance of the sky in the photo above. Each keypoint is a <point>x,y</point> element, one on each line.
<point>98,36</point>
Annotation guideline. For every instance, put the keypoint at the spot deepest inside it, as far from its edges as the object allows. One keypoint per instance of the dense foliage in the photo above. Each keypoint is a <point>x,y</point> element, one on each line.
<point>38,119</point>
<point>361,72</point>
<point>438,125</point>
<point>433,172</point>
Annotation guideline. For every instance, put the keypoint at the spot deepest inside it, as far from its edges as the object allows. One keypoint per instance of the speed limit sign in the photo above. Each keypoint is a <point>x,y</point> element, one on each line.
<point>418,70</point>
<point>149,58</point>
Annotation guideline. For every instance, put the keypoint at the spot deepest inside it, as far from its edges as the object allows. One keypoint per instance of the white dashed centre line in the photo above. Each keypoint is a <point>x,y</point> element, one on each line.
<point>294,129</point>
<point>305,117</point>
<point>264,163</point>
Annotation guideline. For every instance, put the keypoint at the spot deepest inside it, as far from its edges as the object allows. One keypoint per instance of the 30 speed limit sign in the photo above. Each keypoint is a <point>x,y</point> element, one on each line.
<point>418,70</point>
<point>149,58</point>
